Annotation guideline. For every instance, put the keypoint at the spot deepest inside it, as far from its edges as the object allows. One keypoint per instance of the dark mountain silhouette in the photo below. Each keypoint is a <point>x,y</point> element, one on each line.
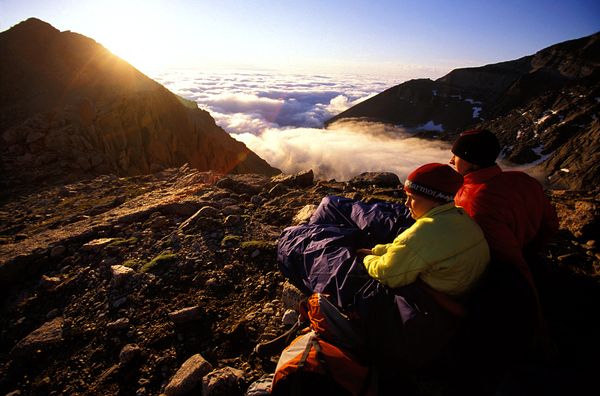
<point>543,107</point>
<point>69,106</point>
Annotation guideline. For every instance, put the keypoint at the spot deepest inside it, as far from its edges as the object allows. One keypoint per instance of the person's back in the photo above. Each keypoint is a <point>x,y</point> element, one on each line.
<point>510,207</point>
<point>518,220</point>
<point>512,210</point>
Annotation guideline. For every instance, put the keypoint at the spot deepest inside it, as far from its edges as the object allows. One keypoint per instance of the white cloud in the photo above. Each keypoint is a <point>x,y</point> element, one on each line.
<point>246,102</point>
<point>280,117</point>
<point>345,149</point>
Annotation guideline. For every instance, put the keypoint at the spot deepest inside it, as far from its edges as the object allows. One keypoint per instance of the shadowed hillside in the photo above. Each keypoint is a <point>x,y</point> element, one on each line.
<point>70,107</point>
<point>543,107</point>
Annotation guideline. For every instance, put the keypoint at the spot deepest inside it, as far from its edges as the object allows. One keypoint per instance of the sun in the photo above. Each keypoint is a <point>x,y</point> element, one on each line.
<point>137,32</point>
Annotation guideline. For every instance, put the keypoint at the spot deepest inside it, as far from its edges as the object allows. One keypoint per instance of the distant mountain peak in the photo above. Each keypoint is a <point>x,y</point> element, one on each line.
<point>34,25</point>
<point>541,106</point>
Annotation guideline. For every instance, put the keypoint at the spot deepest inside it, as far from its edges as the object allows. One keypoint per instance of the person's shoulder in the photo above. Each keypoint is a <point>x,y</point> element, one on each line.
<point>518,178</point>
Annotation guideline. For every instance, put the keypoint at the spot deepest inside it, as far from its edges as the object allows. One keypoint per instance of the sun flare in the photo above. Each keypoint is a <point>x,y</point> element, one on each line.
<point>136,33</point>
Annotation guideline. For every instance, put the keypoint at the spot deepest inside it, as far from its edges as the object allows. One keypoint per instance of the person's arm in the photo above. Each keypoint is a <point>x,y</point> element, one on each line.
<point>398,266</point>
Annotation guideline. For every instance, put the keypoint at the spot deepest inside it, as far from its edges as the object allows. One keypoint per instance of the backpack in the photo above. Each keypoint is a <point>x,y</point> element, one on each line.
<point>326,358</point>
<point>331,324</point>
<point>313,366</point>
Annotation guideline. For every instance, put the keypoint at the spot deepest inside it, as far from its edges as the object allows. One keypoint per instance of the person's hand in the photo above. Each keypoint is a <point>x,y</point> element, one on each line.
<point>364,252</point>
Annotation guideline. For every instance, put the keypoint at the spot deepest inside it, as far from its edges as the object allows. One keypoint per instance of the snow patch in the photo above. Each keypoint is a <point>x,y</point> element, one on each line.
<point>476,111</point>
<point>434,92</point>
<point>543,119</point>
<point>472,101</point>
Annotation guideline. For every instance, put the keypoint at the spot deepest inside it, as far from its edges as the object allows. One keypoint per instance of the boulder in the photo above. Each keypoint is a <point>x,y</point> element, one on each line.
<point>47,335</point>
<point>188,376</point>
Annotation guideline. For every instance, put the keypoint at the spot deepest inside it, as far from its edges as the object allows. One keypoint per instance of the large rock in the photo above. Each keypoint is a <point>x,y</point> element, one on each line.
<point>47,335</point>
<point>188,376</point>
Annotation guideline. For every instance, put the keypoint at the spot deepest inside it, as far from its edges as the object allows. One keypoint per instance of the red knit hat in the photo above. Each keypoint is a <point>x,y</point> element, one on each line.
<point>434,181</point>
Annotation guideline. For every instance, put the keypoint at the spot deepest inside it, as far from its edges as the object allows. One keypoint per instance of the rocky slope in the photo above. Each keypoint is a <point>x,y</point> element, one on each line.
<point>70,107</point>
<point>544,108</point>
<point>166,282</point>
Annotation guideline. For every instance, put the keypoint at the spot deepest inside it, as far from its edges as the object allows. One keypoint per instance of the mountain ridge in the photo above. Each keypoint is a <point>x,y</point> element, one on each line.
<point>70,107</point>
<point>541,106</point>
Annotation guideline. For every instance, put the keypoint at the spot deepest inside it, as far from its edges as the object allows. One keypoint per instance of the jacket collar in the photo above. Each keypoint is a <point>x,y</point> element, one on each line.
<point>482,175</point>
<point>438,209</point>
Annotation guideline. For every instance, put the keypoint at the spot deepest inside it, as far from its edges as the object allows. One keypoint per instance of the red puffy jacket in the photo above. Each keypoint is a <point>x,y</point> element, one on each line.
<point>512,210</point>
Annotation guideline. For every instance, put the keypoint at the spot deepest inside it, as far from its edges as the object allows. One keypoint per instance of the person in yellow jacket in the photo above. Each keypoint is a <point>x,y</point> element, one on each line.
<point>444,248</point>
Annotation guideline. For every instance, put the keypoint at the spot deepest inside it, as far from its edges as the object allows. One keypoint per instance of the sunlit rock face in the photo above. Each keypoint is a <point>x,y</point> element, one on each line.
<point>70,107</point>
<point>544,109</point>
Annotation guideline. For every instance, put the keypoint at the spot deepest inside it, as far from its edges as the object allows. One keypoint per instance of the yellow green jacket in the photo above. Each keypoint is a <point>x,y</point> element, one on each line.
<point>444,247</point>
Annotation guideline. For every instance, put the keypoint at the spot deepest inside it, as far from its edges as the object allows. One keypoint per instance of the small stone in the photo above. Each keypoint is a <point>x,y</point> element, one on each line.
<point>120,274</point>
<point>278,189</point>
<point>257,200</point>
<point>57,251</point>
<point>96,244</point>
<point>209,211</point>
<point>53,314</point>
<point>289,317</point>
<point>49,282</point>
<point>291,296</point>
<point>232,210</point>
<point>268,311</point>
<point>119,302</point>
<point>232,220</point>
<point>129,353</point>
<point>119,324</point>
<point>141,392</point>
<point>211,282</point>
<point>186,315</point>
<point>225,381</point>
<point>304,215</point>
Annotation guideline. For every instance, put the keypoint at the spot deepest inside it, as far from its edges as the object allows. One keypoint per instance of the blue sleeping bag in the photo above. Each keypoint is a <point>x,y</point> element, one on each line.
<point>321,255</point>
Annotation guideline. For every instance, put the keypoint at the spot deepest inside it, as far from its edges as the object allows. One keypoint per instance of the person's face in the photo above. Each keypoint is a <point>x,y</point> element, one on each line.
<point>463,167</point>
<point>418,205</point>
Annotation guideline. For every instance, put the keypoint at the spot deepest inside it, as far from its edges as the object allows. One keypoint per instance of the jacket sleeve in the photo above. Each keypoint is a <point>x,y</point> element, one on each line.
<point>398,266</point>
<point>380,250</point>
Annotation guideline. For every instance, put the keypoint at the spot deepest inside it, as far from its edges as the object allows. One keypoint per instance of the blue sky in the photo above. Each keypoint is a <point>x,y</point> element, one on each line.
<point>419,38</point>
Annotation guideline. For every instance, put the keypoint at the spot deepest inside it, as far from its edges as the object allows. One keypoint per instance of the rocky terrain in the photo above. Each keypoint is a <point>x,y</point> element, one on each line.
<point>69,108</point>
<point>543,107</point>
<point>138,240</point>
<point>112,284</point>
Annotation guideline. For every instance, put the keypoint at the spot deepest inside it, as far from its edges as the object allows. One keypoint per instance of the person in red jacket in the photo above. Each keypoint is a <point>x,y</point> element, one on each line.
<point>510,207</point>
<point>517,220</point>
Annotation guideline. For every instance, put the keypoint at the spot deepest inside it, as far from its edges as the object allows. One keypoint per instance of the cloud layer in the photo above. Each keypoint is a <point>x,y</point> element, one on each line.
<point>345,149</point>
<point>252,102</point>
<point>280,117</point>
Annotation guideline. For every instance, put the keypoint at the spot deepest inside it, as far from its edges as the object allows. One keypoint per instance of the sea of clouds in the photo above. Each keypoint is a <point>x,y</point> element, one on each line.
<point>281,116</point>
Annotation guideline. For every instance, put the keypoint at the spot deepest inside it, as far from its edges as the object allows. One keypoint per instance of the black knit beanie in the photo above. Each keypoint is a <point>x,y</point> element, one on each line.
<point>477,146</point>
